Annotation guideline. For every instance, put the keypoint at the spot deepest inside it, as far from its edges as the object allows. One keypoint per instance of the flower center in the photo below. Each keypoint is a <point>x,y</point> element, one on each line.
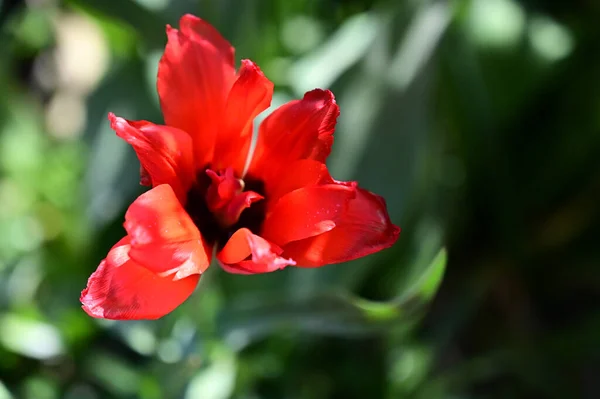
<point>220,203</point>
<point>226,198</point>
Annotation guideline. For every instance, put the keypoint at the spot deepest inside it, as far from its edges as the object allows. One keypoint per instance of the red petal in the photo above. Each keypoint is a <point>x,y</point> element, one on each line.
<point>145,179</point>
<point>222,189</point>
<point>364,229</point>
<point>197,29</point>
<point>122,289</point>
<point>164,239</point>
<point>195,75</point>
<point>164,152</point>
<point>306,212</point>
<point>264,255</point>
<point>225,198</point>
<point>250,95</point>
<point>300,129</point>
<point>298,174</point>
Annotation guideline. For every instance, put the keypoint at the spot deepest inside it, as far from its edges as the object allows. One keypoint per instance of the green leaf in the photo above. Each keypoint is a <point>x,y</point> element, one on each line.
<point>331,313</point>
<point>430,280</point>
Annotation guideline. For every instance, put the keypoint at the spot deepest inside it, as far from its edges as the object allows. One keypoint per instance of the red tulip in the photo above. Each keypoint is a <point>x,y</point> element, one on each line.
<point>285,209</point>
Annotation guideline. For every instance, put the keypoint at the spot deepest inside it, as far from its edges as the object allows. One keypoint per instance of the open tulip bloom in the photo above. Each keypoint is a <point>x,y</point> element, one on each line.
<point>280,209</point>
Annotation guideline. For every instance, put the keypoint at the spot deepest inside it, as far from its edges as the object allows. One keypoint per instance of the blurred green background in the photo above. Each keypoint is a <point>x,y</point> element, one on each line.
<point>477,120</point>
